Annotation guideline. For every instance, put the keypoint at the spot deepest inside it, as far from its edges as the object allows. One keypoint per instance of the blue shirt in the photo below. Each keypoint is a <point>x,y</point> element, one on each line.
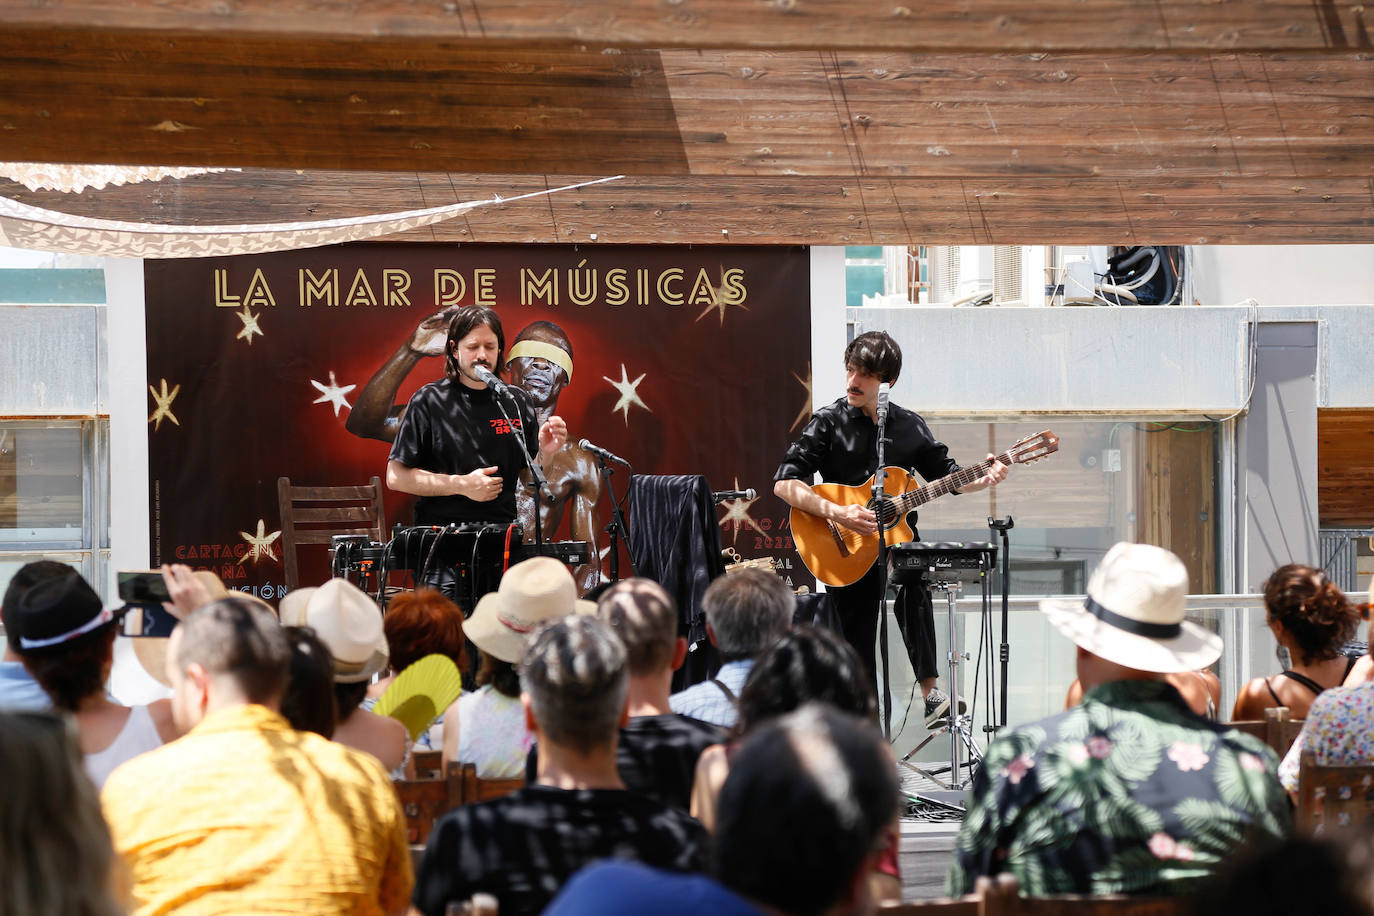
<point>707,702</point>
<point>632,889</point>
<point>18,689</point>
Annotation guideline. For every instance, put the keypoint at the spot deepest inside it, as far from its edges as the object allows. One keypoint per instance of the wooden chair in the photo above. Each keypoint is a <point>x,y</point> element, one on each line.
<point>471,789</point>
<point>424,801</point>
<point>1000,897</point>
<point>1332,798</point>
<point>313,515</point>
<point>428,764</point>
<point>1276,729</point>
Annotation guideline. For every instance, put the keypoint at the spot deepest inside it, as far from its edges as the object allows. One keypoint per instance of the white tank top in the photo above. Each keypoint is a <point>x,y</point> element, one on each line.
<point>492,734</point>
<point>138,736</point>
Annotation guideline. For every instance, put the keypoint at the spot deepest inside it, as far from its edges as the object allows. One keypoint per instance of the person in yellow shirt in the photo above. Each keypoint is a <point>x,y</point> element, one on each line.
<point>243,814</point>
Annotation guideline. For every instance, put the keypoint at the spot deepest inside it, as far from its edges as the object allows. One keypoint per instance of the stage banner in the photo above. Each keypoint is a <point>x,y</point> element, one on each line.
<point>296,364</point>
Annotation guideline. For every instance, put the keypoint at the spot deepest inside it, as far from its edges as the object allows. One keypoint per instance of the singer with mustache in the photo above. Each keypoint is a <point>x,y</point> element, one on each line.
<point>454,448</point>
<point>840,444</point>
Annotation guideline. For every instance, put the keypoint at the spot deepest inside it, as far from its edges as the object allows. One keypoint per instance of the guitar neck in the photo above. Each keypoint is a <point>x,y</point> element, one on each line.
<point>935,489</point>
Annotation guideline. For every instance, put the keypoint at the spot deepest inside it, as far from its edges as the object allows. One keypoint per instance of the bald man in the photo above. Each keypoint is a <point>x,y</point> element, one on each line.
<point>541,363</point>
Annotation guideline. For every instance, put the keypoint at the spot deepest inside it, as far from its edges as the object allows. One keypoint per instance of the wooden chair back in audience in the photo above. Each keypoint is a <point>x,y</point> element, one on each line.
<point>471,789</point>
<point>1333,798</point>
<point>428,764</point>
<point>424,801</point>
<point>1276,729</point>
<point>313,515</point>
<point>1000,897</point>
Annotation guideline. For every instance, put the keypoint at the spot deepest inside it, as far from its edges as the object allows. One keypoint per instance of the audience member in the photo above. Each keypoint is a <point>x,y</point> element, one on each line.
<point>1339,728</point>
<point>1323,875</point>
<point>522,847</point>
<point>350,624</point>
<point>1311,620</point>
<point>1201,690</point>
<point>805,665</point>
<point>245,814</point>
<point>658,749</point>
<point>746,612</point>
<point>55,851</point>
<point>1128,792</point>
<point>66,640</point>
<point>417,624</point>
<point>805,815</point>
<point>309,703</point>
<point>18,689</point>
<point>487,727</point>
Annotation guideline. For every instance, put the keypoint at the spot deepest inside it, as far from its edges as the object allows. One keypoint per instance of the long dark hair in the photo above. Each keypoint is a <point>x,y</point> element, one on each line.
<point>461,325</point>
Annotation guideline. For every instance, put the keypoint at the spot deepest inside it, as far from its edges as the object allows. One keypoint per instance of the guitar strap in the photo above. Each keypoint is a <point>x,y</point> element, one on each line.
<point>729,694</point>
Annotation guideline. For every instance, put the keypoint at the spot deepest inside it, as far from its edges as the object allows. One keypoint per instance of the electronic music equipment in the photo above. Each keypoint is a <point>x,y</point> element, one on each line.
<point>921,561</point>
<point>573,553</point>
<point>840,556</point>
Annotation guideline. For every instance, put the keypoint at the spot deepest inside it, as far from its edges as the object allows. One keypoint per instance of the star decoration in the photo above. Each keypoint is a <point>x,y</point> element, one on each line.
<point>250,325</point>
<point>737,515</point>
<point>333,393</point>
<point>259,545</point>
<point>629,396</point>
<point>164,405</point>
<point>806,405</point>
<point>722,301</point>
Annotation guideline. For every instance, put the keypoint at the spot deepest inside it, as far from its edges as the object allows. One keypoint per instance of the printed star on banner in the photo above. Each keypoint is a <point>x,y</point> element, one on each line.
<point>250,325</point>
<point>164,405</point>
<point>259,545</point>
<point>721,301</point>
<point>629,395</point>
<point>806,405</point>
<point>737,512</point>
<point>333,393</point>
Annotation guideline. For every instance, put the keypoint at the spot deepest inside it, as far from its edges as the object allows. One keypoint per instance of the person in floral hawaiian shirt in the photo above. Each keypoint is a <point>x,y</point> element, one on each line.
<point>1130,792</point>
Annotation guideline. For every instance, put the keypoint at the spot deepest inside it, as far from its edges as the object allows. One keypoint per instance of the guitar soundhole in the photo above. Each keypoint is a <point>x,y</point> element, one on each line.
<point>886,509</point>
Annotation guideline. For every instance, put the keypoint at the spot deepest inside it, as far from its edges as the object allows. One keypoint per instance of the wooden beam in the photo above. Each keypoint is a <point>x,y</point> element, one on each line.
<point>1345,480</point>
<point>769,210</point>
<point>987,25</point>
<point>404,105</point>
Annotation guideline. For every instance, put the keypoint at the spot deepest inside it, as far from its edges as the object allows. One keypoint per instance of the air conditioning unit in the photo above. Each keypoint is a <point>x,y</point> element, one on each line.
<point>1014,275</point>
<point>1019,275</point>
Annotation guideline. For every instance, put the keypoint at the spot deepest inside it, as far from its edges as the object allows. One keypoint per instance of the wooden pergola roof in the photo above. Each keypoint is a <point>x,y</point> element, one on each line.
<point>761,121</point>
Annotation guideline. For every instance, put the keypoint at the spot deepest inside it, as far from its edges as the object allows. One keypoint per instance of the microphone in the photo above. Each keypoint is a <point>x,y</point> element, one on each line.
<point>483,374</point>
<point>883,389</point>
<point>721,496</point>
<point>601,453</point>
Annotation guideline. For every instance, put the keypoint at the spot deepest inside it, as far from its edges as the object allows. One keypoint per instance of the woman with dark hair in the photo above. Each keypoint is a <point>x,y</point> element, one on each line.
<point>66,641</point>
<point>1312,619</point>
<point>806,665</point>
<point>54,844</point>
<point>417,624</point>
<point>309,703</point>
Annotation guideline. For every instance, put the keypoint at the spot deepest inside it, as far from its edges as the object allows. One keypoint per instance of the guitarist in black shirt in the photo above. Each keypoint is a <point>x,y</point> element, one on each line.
<point>840,444</point>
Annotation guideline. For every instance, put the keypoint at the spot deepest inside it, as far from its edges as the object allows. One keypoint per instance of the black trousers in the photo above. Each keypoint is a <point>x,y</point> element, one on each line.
<point>857,607</point>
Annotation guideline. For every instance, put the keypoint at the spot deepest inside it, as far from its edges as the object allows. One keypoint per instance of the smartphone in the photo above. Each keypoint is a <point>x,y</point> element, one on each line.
<point>147,620</point>
<point>142,586</point>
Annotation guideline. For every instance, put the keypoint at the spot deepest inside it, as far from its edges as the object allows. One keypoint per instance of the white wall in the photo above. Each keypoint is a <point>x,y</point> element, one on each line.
<point>1283,274</point>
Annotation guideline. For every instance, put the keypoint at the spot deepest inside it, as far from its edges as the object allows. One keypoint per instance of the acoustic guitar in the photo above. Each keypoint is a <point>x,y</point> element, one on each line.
<point>837,555</point>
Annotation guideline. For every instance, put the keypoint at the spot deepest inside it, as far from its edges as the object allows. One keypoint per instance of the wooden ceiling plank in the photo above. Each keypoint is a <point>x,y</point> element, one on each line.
<point>988,25</point>
<point>774,210</point>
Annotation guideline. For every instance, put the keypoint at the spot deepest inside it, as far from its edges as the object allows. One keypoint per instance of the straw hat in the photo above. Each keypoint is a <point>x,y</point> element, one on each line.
<point>532,592</point>
<point>347,621</point>
<point>1133,614</point>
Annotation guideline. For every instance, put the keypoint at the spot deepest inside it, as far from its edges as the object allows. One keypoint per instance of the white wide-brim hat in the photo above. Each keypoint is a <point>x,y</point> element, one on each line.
<point>1133,614</point>
<point>533,592</point>
<point>347,621</point>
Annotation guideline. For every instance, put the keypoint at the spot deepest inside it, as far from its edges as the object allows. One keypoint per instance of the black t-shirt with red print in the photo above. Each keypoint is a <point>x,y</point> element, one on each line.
<point>449,428</point>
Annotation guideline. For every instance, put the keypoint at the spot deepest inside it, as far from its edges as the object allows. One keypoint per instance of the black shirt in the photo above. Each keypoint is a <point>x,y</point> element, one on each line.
<point>841,443</point>
<point>656,756</point>
<point>523,847</point>
<point>449,428</point>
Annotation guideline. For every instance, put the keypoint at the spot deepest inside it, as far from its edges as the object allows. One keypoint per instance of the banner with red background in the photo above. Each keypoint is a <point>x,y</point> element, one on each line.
<point>686,361</point>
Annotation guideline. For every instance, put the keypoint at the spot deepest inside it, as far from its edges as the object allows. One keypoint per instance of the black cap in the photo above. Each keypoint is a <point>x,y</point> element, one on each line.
<point>55,611</point>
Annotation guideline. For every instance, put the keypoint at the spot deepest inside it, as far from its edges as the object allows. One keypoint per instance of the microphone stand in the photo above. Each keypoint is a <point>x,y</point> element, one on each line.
<point>879,485</point>
<point>1002,526</point>
<point>541,483</point>
<point>617,529</point>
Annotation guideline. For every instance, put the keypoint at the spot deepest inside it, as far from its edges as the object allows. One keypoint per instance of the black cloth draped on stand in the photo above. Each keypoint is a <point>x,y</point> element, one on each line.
<point>675,540</point>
